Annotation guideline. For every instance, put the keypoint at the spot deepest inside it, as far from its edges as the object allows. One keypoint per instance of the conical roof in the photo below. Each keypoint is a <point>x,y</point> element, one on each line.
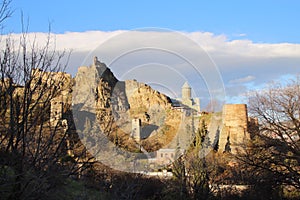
<point>186,85</point>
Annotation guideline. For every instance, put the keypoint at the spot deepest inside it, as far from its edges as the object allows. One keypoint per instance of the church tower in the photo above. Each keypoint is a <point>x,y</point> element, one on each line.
<point>187,100</point>
<point>186,91</point>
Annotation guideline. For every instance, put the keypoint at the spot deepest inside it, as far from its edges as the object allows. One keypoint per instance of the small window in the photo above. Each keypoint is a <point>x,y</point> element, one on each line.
<point>161,155</point>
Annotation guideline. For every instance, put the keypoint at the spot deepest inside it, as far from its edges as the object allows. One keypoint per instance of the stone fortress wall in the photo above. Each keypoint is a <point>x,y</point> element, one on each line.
<point>234,131</point>
<point>235,121</point>
<point>62,100</point>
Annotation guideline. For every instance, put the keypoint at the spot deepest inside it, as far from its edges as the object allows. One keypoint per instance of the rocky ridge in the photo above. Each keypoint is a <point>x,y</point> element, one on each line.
<point>115,103</point>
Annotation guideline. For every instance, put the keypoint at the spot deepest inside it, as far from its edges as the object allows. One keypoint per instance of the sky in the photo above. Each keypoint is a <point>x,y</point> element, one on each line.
<point>269,21</point>
<point>250,43</point>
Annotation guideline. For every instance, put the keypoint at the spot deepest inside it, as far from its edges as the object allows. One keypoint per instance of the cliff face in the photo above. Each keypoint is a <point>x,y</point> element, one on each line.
<point>145,102</point>
<point>93,84</point>
<point>97,91</point>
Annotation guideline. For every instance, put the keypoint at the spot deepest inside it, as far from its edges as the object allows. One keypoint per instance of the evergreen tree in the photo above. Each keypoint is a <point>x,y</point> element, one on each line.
<point>216,140</point>
<point>202,140</point>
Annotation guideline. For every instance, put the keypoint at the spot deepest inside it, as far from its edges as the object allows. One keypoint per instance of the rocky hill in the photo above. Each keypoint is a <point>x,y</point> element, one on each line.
<point>115,103</point>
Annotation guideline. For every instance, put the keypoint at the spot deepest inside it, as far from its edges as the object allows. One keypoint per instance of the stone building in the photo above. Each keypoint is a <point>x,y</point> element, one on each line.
<point>165,156</point>
<point>235,127</point>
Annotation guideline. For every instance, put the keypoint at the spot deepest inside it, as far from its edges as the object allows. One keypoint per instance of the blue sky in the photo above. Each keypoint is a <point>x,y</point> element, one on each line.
<point>251,43</point>
<point>269,21</point>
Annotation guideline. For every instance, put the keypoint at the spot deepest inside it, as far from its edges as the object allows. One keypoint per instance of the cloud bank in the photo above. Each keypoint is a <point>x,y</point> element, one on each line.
<point>242,80</point>
<point>242,64</point>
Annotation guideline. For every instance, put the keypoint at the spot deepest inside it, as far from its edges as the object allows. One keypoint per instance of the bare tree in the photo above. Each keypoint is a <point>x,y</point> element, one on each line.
<point>213,106</point>
<point>5,11</point>
<point>34,96</point>
<point>274,152</point>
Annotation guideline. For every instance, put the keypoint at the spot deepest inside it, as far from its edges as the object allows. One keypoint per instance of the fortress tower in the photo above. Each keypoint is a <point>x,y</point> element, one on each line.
<point>136,129</point>
<point>235,127</point>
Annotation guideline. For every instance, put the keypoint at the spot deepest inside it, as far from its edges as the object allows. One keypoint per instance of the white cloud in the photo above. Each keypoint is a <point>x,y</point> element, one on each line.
<point>234,58</point>
<point>220,44</point>
<point>241,35</point>
<point>242,80</point>
<point>78,41</point>
<point>87,41</point>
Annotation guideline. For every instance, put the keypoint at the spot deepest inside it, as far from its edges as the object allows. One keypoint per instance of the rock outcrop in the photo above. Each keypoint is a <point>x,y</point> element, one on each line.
<point>115,103</point>
<point>145,102</point>
<point>96,91</point>
<point>92,84</point>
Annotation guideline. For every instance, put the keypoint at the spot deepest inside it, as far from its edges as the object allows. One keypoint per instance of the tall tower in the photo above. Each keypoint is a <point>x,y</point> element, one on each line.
<point>136,129</point>
<point>235,127</point>
<point>186,91</point>
<point>186,95</point>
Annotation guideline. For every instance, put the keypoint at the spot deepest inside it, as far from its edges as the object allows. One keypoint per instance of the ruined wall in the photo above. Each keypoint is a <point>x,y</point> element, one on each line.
<point>57,86</point>
<point>60,80</point>
<point>59,106</point>
<point>235,127</point>
<point>136,129</point>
